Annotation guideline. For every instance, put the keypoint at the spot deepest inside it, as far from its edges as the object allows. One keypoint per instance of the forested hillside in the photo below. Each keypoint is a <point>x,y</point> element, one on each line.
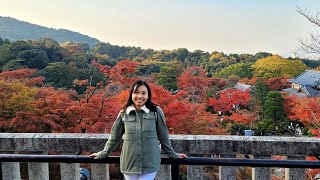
<point>14,29</point>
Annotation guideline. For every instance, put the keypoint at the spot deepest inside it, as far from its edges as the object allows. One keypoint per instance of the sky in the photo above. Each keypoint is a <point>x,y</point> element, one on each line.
<point>228,26</point>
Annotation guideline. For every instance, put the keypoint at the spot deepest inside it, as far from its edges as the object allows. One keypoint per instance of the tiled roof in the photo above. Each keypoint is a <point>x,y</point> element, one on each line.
<point>311,91</point>
<point>294,91</point>
<point>307,78</point>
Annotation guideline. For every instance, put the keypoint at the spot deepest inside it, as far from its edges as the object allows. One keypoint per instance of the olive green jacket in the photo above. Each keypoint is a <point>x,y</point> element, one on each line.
<point>140,150</point>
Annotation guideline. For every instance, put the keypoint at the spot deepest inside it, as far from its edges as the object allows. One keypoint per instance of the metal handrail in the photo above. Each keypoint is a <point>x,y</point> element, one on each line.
<point>164,160</point>
<point>174,162</point>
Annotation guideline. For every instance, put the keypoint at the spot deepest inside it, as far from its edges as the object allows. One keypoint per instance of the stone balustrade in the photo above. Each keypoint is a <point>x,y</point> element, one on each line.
<point>259,147</point>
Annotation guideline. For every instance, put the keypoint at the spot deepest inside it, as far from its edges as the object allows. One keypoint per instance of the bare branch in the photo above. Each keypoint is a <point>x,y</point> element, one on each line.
<point>309,47</point>
<point>314,19</point>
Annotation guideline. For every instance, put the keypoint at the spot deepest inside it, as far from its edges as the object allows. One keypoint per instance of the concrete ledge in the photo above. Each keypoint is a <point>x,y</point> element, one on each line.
<point>191,144</point>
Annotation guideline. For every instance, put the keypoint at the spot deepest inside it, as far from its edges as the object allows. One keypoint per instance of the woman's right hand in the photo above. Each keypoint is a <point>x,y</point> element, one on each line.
<point>94,155</point>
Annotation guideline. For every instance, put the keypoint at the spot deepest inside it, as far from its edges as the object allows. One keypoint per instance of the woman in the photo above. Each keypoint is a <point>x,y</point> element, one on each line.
<point>140,124</point>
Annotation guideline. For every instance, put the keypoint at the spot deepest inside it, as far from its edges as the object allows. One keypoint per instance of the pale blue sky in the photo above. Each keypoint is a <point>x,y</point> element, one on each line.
<point>229,26</point>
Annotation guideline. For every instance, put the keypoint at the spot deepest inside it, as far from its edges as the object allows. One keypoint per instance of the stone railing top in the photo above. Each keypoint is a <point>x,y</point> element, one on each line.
<point>190,144</point>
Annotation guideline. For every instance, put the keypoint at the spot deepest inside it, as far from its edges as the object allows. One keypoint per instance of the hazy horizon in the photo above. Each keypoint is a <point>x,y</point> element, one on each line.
<point>233,26</point>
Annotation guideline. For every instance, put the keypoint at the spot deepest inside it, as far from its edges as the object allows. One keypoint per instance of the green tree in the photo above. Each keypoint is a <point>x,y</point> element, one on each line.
<point>54,51</point>
<point>181,54</point>
<point>14,64</point>
<point>80,60</point>
<point>240,70</point>
<point>1,41</point>
<point>261,55</point>
<point>276,119</point>
<point>168,78</point>
<point>34,58</point>
<point>260,93</point>
<point>5,54</point>
<point>20,46</point>
<point>59,74</point>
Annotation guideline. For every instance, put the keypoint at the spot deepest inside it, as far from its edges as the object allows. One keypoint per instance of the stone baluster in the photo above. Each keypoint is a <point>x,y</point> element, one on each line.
<point>261,172</point>
<point>70,171</point>
<point>164,173</point>
<point>227,172</point>
<point>194,172</point>
<point>10,170</point>
<point>100,172</point>
<point>295,173</point>
<point>38,171</point>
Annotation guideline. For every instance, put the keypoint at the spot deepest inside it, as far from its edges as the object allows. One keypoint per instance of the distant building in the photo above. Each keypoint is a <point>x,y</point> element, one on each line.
<point>238,86</point>
<point>306,84</point>
<point>243,87</point>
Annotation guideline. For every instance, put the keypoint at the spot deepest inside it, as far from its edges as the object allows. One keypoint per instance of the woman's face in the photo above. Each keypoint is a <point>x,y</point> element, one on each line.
<point>140,96</point>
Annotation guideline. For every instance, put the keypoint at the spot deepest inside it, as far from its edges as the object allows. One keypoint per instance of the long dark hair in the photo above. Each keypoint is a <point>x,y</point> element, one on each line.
<point>150,105</point>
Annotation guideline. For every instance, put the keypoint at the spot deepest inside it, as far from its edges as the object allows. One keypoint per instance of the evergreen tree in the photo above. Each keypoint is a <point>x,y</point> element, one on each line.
<point>275,113</point>
<point>260,93</point>
<point>168,78</point>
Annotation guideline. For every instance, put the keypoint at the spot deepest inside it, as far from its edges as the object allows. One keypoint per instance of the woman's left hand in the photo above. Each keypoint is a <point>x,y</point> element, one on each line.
<point>182,156</point>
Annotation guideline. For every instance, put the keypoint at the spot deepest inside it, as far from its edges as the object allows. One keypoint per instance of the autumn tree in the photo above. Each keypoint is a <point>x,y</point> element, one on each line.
<point>230,100</point>
<point>123,72</point>
<point>48,114</point>
<point>277,83</point>
<point>305,110</point>
<point>15,96</point>
<point>194,81</point>
<point>75,48</point>
<point>234,108</point>
<point>276,66</point>
<point>215,85</point>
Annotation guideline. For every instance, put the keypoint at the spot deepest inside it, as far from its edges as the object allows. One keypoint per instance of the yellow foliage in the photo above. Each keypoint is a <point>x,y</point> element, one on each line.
<point>15,96</point>
<point>276,66</point>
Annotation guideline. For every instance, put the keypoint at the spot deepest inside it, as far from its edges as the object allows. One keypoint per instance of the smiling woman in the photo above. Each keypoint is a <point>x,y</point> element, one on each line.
<point>139,96</point>
<point>141,124</point>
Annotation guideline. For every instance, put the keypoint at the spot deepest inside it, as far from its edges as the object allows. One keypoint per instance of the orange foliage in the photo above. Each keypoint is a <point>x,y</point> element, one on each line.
<point>183,117</point>
<point>305,110</point>
<point>219,82</point>
<point>35,81</point>
<point>195,82</point>
<point>251,81</point>
<point>277,83</point>
<point>195,120</point>
<point>229,100</point>
<point>103,68</point>
<point>77,82</point>
<point>17,74</point>
<point>242,116</point>
<point>66,111</point>
<point>123,72</point>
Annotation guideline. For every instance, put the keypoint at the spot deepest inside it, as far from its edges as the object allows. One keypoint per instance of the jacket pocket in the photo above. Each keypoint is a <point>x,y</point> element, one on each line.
<point>149,123</point>
<point>129,123</point>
